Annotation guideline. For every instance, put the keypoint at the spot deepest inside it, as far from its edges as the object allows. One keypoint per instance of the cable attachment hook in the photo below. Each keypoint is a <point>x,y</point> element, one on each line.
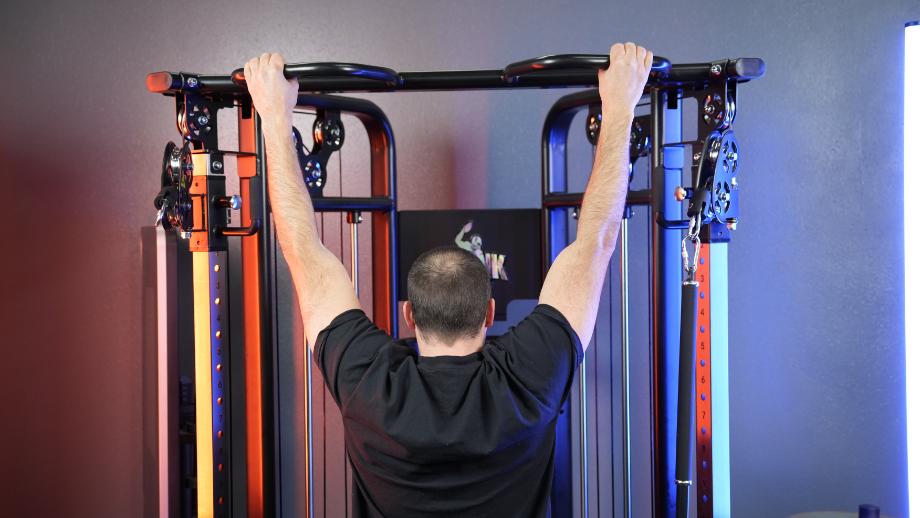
<point>693,236</point>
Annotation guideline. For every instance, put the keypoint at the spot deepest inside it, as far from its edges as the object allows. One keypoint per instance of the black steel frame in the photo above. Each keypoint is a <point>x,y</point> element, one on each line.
<point>564,71</point>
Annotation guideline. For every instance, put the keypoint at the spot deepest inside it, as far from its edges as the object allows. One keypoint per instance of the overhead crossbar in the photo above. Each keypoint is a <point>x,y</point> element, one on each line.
<point>555,71</point>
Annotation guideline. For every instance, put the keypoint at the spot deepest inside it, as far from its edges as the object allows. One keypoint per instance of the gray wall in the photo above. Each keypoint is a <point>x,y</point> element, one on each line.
<point>816,315</point>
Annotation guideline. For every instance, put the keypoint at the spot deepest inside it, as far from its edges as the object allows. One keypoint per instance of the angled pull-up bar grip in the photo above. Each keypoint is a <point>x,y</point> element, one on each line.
<point>514,71</point>
<point>314,70</point>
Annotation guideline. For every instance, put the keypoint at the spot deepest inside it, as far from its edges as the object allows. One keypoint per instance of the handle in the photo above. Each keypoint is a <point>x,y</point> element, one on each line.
<point>305,70</point>
<point>243,231</point>
<point>513,72</point>
<point>740,69</point>
<point>685,398</point>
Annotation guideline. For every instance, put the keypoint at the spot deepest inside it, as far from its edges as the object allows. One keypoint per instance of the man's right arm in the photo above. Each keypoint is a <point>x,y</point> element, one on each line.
<point>574,283</point>
<point>323,287</point>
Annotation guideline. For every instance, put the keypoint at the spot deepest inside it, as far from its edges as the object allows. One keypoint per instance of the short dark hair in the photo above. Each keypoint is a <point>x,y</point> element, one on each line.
<point>449,289</point>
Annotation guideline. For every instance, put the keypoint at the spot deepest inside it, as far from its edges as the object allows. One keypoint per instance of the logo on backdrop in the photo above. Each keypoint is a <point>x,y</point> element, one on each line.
<point>495,263</point>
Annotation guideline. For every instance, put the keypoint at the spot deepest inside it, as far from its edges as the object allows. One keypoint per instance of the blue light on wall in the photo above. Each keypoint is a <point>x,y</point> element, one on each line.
<point>912,259</point>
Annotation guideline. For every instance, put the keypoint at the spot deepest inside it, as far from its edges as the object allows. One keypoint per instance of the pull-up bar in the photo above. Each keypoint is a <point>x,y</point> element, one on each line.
<point>554,71</point>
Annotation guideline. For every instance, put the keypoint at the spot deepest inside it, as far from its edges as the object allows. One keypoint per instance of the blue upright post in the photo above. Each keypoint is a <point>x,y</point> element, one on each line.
<point>718,334</point>
<point>667,166</point>
<point>555,235</point>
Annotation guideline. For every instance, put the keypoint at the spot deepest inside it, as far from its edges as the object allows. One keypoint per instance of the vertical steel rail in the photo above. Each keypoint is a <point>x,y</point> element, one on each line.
<point>353,219</point>
<point>555,238</point>
<point>704,402</point>
<point>656,106</point>
<point>167,375</point>
<point>383,248</point>
<point>262,477</point>
<point>209,278</point>
<point>354,257</point>
<point>713,467</point>
<point>717,332</point>
<point>308,424</point>
<point>624,367</point>
<point>383,224</point>
<point>667,164</point>
<point>583,435</point>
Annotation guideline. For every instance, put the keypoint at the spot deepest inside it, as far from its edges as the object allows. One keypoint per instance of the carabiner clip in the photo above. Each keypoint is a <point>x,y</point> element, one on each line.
<point>693,235</point>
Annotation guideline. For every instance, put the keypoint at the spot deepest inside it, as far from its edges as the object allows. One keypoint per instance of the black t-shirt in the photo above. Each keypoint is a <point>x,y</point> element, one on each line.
<point>450,435</point>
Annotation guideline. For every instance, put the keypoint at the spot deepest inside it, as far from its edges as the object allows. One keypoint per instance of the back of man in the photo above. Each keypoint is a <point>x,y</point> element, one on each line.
<point>460,425</point>
<point>454,435</point>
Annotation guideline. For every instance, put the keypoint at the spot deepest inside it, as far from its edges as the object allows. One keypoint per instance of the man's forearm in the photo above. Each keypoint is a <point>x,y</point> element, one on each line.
<point>605,198</point>
<point>292,208</point>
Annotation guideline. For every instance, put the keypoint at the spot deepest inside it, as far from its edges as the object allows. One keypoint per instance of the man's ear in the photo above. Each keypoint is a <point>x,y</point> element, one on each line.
<point>490,313</point>
<point>407,315</point>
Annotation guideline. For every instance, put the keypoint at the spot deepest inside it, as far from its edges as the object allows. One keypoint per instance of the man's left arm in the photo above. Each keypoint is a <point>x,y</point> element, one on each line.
<point>323,287</point>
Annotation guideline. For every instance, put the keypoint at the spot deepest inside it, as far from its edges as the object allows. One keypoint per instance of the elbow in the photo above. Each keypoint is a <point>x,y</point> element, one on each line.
<point>301,251</point>
<point>608,240</point>
<point>599,233</point>
<point>600,243</point>
<point>592,251</point>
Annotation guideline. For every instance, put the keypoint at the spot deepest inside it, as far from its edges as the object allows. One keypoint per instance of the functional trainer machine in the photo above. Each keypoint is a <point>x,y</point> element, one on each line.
<point>194,202</point>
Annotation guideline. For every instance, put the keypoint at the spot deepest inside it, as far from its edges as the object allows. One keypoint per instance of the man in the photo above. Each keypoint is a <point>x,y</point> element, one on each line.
<point>474,245</point>
<point>461,426</point>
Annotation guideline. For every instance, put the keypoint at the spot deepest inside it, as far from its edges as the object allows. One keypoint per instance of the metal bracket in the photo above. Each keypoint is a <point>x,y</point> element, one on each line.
<point>328,137</point>
<point>209,215</point>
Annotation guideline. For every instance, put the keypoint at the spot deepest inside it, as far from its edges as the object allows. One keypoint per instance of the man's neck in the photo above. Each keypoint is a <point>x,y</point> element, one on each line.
<point>460,347</point>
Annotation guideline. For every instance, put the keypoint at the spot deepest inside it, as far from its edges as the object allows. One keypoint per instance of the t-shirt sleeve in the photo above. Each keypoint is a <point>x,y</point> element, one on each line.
<point>540,355</point>
<point>345,349</point>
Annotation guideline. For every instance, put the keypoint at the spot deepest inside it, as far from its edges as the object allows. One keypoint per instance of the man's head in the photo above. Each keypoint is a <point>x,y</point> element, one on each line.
<point>450,295</point>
